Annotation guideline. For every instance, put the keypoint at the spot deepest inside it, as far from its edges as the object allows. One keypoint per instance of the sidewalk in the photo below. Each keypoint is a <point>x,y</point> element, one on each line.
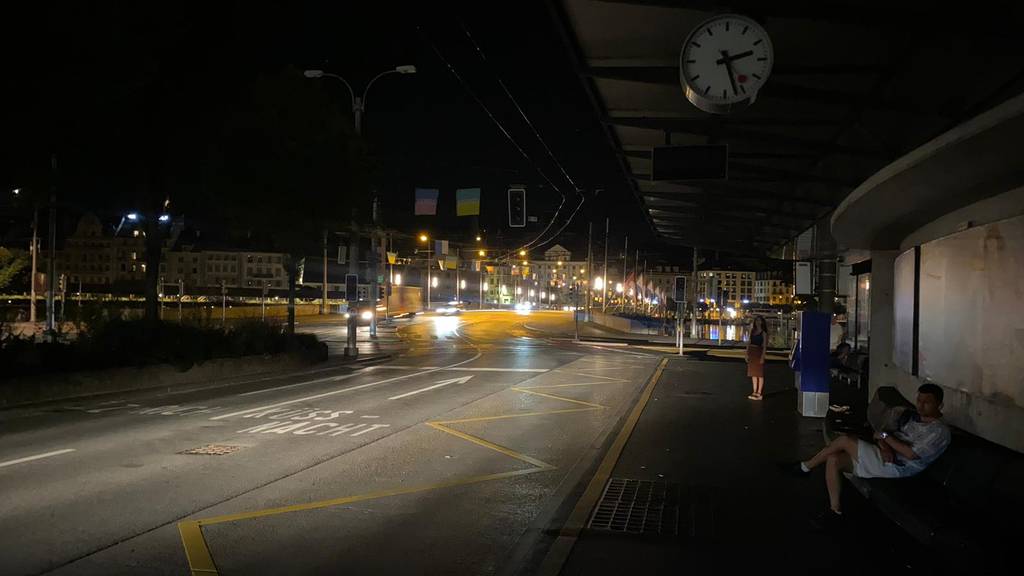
<point>714,454</point>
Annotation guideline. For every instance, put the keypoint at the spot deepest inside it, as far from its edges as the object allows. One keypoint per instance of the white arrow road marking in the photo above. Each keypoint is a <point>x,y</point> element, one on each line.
<point>343,390</point>
<point>36,457</point>
<point>462,380</point>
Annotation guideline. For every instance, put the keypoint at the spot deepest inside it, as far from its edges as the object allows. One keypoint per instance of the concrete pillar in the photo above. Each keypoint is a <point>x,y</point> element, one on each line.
<point>883,371</point>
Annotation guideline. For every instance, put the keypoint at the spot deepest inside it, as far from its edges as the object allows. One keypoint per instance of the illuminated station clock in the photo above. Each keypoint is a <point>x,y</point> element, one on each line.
<point>724,63</point>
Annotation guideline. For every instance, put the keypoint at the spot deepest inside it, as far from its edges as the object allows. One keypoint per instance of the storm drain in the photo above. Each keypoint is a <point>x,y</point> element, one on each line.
<point>212,450</point>
<point>637,507</point>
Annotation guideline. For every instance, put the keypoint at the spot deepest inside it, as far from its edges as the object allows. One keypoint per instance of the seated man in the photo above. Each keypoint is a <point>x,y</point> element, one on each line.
<point>920,439</point>
<point>837,360</point>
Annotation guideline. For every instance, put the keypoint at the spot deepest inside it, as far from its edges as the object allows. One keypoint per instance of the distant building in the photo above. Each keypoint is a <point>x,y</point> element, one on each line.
<point>114,260</point>
<point>774,287</point>
<point>726,287</point>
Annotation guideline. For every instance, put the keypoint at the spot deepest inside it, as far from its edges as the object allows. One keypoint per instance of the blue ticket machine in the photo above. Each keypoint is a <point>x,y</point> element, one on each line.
<point>812,372</point>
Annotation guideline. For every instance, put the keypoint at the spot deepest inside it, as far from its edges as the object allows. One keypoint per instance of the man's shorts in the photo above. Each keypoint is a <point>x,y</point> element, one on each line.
<point>869,463</point>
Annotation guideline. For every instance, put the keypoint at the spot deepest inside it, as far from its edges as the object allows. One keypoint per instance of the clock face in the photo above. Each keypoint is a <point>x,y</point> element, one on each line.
<point>724,62</point>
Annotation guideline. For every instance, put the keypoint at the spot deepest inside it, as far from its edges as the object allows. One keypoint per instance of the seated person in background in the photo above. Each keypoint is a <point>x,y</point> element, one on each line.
<point>921,437</point>
<point>837,360</point>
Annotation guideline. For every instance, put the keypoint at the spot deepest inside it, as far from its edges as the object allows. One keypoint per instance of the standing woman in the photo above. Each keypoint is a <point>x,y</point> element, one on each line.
<point>756,350</point>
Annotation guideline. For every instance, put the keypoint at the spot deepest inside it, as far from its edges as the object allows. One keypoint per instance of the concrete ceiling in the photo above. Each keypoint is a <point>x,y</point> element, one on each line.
<point>852,89</point>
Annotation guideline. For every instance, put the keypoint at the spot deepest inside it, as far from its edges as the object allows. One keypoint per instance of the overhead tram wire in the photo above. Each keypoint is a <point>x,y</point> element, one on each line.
<point>536,133</point>
<point>479,102</point>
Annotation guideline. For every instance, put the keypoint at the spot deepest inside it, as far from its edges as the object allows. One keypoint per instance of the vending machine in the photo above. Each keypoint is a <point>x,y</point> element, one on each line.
<point>811,363</point>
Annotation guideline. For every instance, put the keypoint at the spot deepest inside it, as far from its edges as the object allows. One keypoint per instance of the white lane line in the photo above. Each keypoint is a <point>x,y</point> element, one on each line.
<point>462,380</point>
<point>350,388</point>
<point>402,367</point>
<point>36,457</point>
<point>328,379</point>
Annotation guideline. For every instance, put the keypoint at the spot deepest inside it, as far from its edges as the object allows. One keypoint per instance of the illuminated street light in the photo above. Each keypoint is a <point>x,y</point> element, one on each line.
<point>532,293</point>
<point>522,252</point>
<point>525,263</point>
<point>462,285</point>
<point>478,238</point>
<point>433,282</point>
<point>618,287</point>
<point>164,217</point>
<point>482,253</point>
<point>543,295</point>
<point>423,237</point>
<point>133,216</point>
<point>598,283</point>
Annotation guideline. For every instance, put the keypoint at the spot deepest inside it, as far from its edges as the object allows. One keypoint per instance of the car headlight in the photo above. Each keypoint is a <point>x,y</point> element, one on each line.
<point>366,315</point>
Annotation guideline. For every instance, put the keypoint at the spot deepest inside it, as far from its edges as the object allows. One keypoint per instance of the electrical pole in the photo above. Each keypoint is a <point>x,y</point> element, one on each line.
<point>625,256</point>
<point>223,304</point>
<point>693,296</point>
<point>374,290</point>
<point>181,294</point>
<point>52,266</point>
<point>590,268</point>
<point>35,254</point>
<point>323,302</point>
<point>604,291</point>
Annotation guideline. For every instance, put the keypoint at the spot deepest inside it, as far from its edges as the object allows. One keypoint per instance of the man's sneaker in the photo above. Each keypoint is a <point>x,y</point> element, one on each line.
<point>793,469</point>
<point>828,522</point>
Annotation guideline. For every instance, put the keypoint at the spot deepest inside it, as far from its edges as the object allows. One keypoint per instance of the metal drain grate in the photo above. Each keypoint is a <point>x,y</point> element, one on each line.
<point>212,450</point>
<point>637,507</point>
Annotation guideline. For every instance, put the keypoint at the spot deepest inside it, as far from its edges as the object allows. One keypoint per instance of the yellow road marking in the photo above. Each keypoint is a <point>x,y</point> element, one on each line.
<point>198,553</point>
<point>505,416</point>
<point>199,560</point>
<point>526,391</point>
<point>523,388</point>
<point>492,446</point>
<point>560,549</point>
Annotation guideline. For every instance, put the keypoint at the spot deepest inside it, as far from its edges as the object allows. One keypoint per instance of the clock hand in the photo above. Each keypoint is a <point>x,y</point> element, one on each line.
<point>728,68</point>
<point>726,58</point>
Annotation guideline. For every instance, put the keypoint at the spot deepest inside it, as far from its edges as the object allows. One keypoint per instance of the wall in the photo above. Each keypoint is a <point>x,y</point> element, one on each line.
<point>972,341</point>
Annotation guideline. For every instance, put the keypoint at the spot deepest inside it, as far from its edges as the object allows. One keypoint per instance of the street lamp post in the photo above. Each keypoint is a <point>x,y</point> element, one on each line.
<point>358,107</point>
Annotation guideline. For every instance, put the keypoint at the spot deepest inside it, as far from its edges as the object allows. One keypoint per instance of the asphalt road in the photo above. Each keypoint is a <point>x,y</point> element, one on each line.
<point>451,457</point>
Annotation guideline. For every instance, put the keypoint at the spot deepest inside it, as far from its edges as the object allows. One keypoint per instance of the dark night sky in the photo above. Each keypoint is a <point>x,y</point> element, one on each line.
<point>139,98</point>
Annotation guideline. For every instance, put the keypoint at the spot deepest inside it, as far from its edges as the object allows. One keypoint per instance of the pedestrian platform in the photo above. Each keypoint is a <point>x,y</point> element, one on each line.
<point>697,488</point>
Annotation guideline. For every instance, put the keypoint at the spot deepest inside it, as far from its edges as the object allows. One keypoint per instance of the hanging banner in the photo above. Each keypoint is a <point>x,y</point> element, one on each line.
<point>467,202</point>
<point>426,201</point>
<point>342,254</point>
<point>441,247</point>
<point>451,262</point>
<point>392,257</point>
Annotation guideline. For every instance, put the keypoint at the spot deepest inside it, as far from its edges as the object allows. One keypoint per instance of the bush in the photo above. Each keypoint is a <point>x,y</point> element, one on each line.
<point>118,343</point>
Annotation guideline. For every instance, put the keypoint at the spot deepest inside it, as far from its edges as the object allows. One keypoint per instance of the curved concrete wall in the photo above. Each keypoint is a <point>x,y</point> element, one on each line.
<point>937,197</point>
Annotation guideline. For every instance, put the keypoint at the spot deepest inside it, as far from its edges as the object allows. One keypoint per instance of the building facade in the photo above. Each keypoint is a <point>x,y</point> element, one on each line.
<point>733,288</point>
<point>774,288</point>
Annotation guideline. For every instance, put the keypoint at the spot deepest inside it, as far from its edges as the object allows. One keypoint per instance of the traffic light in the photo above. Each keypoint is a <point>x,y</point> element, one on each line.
<point>517,208</point>
<point>679,292</point>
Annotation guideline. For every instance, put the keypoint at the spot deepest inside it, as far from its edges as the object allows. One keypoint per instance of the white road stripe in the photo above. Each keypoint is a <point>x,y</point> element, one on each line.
<point>36,457</point>
<point>478,354</point>
<point>329,379</point>
<point>462,380</point>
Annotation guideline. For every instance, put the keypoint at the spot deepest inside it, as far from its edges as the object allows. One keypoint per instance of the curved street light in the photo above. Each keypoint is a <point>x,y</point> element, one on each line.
<point>359,103</point>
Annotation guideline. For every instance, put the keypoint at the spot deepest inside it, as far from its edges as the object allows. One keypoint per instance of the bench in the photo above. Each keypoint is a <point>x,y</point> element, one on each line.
<point>968,505</point>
